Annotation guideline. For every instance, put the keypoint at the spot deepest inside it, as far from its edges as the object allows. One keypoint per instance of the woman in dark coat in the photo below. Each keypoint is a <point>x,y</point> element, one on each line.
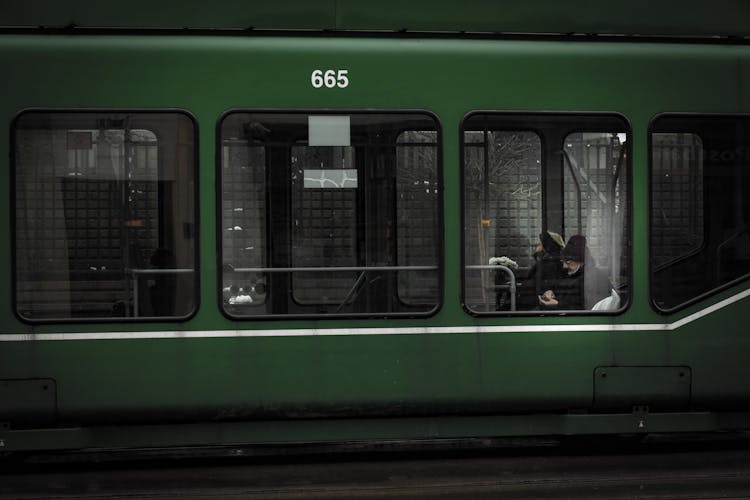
<point>547,268</point>
<point>545,271</point>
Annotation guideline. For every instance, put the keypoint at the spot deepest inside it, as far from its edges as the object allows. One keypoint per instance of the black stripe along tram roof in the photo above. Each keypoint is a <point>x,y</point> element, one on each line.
<point>716,20</point>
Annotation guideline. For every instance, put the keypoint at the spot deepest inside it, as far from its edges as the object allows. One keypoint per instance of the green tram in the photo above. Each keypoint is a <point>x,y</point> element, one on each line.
<point>328,222</point>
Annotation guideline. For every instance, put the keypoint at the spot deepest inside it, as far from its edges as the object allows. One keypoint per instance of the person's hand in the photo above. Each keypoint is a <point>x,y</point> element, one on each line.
<point>548,299</point>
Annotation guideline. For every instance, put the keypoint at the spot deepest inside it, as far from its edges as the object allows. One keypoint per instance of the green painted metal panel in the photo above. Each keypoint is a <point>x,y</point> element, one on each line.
<point>27,403</point>
<point>654,387</point>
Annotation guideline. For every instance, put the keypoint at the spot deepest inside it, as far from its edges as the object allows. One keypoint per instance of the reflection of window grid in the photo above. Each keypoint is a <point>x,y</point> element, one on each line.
<point>309,232</point>
<point>416,207</point>
<point>243,216</point>
<point>594,157</point>
<point>698,177</point>
<point>94,210</point>
<point>71,205</point>
<point>514,206</point>
<point>93,242</point>
<point>243,205</point>
<point>325,226</point>
<point>676,196</point>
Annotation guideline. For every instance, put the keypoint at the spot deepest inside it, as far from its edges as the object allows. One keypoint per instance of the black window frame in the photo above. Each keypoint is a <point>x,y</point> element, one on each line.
<point>440,223</point>
<point>651,268</point>
<point>627,248</point>
<point>195,212</point>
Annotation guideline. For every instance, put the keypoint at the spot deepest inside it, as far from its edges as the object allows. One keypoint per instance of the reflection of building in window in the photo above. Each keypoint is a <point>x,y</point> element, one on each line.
<point>503,199</point>
<point>350,228</point>
<point>526,173</point>
<point>97,197</point>
<point>700,208</point>
<point>325,222</point>
<point>243,215</point>
<point>595,193</point>
<point>677,194</point>
<point>417,206</point>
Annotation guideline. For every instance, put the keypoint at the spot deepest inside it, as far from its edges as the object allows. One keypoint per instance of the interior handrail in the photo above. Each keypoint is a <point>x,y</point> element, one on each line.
<point>743,229</point>
<point>680,258</point>
<point>330,269</point>
<point>159,271</point>
<point>506,270</point>
<point>353,291</point>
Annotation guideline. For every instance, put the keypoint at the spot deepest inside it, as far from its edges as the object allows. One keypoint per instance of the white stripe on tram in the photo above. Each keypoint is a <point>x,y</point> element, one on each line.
<point>311,332</point>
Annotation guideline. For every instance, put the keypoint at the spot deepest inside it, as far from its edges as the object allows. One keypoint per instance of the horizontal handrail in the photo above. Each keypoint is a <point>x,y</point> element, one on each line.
<point>330,269</point>
<point>159,271</point>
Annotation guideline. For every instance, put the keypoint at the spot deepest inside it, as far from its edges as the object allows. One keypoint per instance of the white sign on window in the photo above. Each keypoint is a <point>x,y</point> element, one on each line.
<point>331,179</point>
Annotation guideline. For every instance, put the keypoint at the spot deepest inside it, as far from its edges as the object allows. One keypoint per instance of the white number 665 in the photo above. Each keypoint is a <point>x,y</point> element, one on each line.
<point>330,78</point>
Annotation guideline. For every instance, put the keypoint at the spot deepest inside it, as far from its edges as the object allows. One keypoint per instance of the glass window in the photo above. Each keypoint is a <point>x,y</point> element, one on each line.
<point>545,213</point>
<point>105,215</point>
<point>700,207</point>
<point>676,196</point>
<point>328,214</point>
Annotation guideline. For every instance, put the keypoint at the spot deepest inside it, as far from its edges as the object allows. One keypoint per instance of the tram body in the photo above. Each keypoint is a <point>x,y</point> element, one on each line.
<point>217,237</point>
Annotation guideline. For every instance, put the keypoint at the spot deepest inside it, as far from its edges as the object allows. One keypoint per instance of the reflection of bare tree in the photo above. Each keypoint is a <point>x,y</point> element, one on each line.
<point>502,176</point>
<point>418,149</point>
<point>417,216</point>
<point>511,157</point>
<point>503,183</point>
<point>526,191</point>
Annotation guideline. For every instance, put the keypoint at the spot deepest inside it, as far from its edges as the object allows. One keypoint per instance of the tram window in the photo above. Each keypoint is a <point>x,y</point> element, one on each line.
<point>700,207</point>
<point>551,176</point>
<point>104,215</point>
<point>330,215</point>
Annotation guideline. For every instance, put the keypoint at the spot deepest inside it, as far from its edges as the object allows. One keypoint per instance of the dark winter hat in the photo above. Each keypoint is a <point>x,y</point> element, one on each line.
<point>575,250</point>
<point>552,242</point>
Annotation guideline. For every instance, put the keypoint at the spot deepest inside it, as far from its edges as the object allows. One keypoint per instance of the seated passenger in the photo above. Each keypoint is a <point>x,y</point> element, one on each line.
<point>544,272</point>
<point>547,268</point>
<point>582,285</point>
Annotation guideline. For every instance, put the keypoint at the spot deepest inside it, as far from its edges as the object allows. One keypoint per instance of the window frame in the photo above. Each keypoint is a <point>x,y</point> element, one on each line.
<point>650,171</point>
<point>440,222</point>
<point>195,213</point>
<point>627,248</point>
